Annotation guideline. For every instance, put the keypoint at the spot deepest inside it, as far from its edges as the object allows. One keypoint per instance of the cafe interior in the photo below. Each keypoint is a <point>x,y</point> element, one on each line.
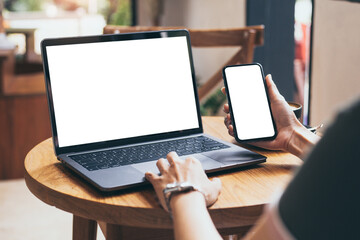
<point>311,48</point>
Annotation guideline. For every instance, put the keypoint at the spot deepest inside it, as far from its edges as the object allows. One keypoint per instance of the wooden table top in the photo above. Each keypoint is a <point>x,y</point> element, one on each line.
<point>244,192</point>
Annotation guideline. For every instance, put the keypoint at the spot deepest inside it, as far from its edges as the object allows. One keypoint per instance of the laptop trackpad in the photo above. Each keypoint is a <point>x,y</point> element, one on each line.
<point>233,156</point>
<point>146,167</point>
<point>207,163</point>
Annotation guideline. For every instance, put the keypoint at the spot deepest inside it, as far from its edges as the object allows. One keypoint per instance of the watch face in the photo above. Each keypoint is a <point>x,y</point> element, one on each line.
<point>171,185</point>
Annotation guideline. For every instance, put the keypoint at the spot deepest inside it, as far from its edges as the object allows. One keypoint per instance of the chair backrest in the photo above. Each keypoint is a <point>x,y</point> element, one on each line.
<point>246,38</point>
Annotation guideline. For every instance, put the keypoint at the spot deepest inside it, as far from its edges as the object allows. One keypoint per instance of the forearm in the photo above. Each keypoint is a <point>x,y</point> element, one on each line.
<point>191,218</point>
<point>301,141</point>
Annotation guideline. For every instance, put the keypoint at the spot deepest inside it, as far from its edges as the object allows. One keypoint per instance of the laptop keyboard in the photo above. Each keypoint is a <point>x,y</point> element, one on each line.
<point>138,154</point>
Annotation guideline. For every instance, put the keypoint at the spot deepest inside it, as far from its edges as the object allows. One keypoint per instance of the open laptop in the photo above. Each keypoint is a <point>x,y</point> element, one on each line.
<point>120,102</point>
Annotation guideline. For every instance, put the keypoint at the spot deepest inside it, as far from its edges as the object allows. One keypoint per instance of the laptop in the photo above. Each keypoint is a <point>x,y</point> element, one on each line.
<point>120,102</point>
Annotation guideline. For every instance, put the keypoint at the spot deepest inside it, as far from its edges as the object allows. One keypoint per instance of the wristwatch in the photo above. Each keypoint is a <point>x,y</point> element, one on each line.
<point>178,187</point>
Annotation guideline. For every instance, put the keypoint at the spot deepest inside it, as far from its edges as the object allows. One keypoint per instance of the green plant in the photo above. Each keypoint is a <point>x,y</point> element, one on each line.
<point>23,5</point>
<point>122,16</point>
<point>212,105</point>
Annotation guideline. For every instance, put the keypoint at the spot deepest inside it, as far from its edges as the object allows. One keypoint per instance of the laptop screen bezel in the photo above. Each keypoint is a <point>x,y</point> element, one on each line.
<point>108,38</point>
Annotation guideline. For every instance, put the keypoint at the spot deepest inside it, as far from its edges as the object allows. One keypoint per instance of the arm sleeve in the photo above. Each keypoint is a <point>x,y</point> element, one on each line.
<point>322,201</point>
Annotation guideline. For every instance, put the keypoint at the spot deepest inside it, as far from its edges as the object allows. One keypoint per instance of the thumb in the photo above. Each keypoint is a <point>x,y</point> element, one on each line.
<point>273,91</point>
<point>150,176</point>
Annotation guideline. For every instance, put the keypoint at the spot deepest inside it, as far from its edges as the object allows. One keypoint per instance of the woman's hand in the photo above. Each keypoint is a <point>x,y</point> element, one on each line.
<point>286,122</point>
<point>177,170</point>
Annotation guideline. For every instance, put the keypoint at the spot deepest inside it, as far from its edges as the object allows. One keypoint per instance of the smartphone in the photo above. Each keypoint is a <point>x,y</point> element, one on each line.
<point>249,103</point>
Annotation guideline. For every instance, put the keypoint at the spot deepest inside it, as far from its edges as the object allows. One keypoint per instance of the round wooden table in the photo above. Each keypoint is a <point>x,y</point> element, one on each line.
<point>136,214</point>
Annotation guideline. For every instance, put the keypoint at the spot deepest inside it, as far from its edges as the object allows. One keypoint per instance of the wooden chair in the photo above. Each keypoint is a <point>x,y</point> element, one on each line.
<point>24,115</point>
<point>246,38</point>
<point>12,84</point>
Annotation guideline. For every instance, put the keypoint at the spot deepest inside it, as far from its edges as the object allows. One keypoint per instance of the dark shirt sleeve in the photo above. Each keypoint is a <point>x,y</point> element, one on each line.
<point>322,201</point>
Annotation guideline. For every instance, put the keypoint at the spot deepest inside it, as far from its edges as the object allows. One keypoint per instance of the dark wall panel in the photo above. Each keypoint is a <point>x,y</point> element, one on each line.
<point>277,54</point>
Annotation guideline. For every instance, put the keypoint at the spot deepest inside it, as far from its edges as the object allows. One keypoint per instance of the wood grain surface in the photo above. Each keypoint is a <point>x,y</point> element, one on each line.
<point>245,190</point>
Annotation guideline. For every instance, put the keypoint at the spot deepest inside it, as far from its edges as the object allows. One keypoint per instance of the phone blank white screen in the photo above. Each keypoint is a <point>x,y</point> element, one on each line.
<point>116,90</point>
<point>250,107</point>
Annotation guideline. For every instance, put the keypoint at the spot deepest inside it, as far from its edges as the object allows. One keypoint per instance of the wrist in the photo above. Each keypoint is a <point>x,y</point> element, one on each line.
<point>176,188</point>
<point>301,141</point>
<point>187,200</point>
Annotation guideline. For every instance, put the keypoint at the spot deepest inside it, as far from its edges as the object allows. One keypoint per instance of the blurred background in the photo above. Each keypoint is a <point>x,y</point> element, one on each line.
<point>311,48</point>
<point>61,18</point>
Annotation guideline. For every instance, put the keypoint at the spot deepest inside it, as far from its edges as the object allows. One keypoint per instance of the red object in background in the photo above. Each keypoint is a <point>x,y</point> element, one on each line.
<point>301,45</point>
<point>68,5</point>
<point>301,61</point>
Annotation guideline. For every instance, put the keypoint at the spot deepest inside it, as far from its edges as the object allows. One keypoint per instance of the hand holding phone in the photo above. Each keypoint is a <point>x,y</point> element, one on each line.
<point>249,103</point>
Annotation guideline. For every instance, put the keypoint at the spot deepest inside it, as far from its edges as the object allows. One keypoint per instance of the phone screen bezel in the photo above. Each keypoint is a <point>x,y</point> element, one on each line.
<point>231,108</point>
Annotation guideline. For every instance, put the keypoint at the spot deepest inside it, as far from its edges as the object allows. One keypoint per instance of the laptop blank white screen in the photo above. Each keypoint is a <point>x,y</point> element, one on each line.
<point>121,89</point>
